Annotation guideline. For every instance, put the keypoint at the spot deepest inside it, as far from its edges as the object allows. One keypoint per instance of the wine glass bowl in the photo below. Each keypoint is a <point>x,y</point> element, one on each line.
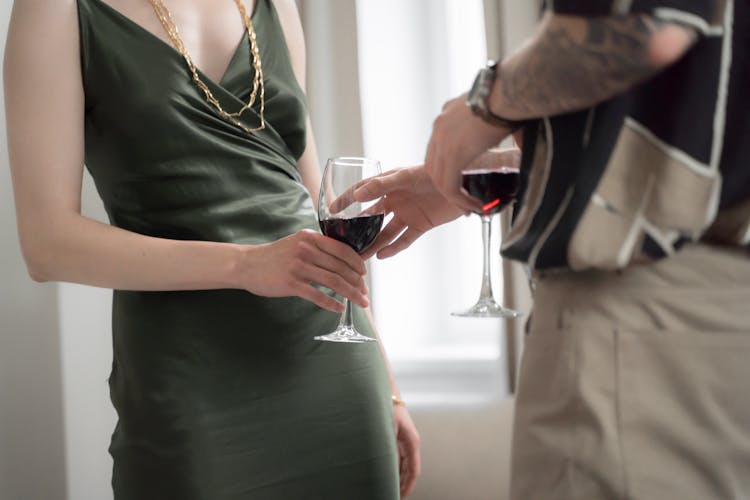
<point>357,232</point>
<point>495,188</point>
<point>354,223</point>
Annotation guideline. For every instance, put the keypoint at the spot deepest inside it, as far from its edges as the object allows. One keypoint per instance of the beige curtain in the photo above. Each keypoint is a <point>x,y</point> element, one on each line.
<point>332,75</point>
<point>507,24</point>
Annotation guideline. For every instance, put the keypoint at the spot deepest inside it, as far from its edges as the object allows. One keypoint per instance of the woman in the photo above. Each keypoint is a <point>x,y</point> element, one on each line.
<point>220,389</point>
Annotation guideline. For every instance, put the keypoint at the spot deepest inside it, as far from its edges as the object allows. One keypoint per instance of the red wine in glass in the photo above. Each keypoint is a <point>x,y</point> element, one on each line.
<point>354,223</point>
<point>357,232</point>
<point>496,189</point>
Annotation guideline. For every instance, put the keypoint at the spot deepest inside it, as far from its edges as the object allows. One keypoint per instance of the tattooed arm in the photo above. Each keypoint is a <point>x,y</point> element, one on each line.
<point>576,62</point>
<point>572,63</point>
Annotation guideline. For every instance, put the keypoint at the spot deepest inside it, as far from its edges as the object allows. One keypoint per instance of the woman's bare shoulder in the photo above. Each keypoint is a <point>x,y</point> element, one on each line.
<point>43,10</point>
<point>42,56</point>
<point>38,25</point>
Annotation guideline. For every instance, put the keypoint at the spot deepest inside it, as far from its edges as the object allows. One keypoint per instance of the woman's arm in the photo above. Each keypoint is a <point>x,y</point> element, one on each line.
<point>407,436</point>
<point>45,113</point>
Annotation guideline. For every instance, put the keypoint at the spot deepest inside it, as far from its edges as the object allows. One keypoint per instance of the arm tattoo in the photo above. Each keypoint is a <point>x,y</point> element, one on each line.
<point>564,71</point>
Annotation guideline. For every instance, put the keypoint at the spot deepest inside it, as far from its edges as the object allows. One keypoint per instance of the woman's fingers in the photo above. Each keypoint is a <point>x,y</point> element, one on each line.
<point>409,470</point>
<point>320,299</point>
<point>335,282</point>
<point>292,266</point>
<point>332,264</point>
<point>341,251</point>
<point>409,457</point>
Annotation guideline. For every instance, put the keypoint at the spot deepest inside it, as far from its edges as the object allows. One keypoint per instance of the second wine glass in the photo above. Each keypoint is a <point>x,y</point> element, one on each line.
<point>355,223</point>
<point>496,188</point>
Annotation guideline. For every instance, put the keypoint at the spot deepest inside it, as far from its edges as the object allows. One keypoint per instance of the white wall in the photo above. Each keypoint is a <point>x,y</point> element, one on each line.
<point>55,415</point>
<point>84,319</point>
<point>31,415</point>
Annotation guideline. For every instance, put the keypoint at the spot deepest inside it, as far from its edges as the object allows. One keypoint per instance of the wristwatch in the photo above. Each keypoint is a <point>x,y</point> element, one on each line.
<point>478,98</point>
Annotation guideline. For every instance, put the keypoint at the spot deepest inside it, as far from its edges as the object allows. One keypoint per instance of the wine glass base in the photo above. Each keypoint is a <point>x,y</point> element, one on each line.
<point>487,309</point>
<point>346,336</point>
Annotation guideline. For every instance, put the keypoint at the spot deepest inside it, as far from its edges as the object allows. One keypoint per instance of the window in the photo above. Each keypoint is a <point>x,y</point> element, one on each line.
<point>413,56</point>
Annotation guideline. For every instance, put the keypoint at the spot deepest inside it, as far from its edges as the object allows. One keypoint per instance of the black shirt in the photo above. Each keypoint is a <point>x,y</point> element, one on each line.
<point>640,175</point>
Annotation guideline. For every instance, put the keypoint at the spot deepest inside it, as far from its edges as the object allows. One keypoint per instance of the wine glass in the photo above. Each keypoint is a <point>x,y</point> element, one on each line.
<point>496,188</point>
<point>351,222</point>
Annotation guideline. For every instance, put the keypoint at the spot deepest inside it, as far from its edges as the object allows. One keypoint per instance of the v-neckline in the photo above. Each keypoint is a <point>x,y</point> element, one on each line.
<point>138,27</point>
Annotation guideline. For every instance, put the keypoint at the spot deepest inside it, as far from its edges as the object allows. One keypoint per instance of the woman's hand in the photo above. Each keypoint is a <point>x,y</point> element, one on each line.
<point>291,265</point>
<point>407,439</point>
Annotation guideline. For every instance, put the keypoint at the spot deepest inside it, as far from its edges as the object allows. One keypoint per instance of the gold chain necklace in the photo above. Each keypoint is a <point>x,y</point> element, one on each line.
<point>165,17</point>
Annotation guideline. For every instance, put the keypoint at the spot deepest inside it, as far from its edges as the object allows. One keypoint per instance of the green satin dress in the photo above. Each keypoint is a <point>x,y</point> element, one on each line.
<point>222,394</point>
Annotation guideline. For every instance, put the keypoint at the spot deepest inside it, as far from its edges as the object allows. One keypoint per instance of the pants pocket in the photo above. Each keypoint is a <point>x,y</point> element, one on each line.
<point>684,414</point>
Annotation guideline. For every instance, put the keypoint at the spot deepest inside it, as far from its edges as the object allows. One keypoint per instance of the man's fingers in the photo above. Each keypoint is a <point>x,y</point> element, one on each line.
<point>389,233</point>
<point>402,243</point>
<point>378,186</point>
<point>370,190</point>
<point>463,200</point>
<point>495,158</point>
<point>377,208</point>
<point>511,156</point>
<point>469,203</point>
<point>449,183</point>
<point>342,201</point>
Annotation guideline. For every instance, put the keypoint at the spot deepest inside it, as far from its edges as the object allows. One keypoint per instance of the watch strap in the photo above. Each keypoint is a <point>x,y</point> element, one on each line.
<point>478,99</point>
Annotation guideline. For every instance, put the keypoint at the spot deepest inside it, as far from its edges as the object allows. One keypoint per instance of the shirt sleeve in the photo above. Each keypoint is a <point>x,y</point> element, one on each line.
<point>706,16</point>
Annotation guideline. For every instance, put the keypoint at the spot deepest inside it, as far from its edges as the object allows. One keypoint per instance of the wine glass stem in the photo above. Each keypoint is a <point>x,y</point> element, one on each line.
<point>486,292</point>
<point>346,317</point>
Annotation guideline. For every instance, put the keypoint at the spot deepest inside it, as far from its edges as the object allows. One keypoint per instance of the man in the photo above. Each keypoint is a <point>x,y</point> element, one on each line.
<point>634,214</point>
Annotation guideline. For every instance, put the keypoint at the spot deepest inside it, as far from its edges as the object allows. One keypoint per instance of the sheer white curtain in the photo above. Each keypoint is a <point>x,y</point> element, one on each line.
<point>413,56</point>
<point>378,74</point>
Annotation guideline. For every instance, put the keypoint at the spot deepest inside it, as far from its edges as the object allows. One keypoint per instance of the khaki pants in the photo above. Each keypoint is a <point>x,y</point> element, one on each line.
<point>636,384</point>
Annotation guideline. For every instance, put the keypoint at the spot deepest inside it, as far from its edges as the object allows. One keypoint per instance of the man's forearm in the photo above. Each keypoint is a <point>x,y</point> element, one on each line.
<point>575,63</point>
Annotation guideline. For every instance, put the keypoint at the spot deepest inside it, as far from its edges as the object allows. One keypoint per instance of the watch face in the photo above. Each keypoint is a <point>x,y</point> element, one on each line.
<point>478,90</point>
<point>474,87</point>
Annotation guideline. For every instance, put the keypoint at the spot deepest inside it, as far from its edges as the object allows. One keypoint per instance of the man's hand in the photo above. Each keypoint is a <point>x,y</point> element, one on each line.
<point>458,138</point>
<point>417,207</point>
